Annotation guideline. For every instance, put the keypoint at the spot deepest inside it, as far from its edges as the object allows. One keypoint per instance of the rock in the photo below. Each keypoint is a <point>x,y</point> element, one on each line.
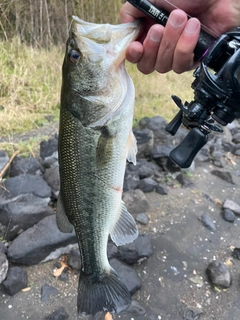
<point>3,267</point>
<point>131,181</point>
<point>22,165</point>
<point>48,148</point>
<point>25,183</point>
<point>145,139</point>
<point>147,185</point>
<point>52,178</point>
<point>161,189</point>
<point>142,218</point>
<point>190,313</point>
<point>236,253</point>
<point>127,274</point>
<point>16,280</point>
<point>236,149</point>
<point>22,213</point>
<point>59,314</point>
<point>134,309</point>
<point>208,222</point>
<point>3,159</point>
<point>147,169</point>
<point>219,274</point>
<point>183,180</point>
<point>112,250</point>
<point>37,243</point>
<point>202,155</point>
<point>3,248</point>
<point>135,201</point>
<point>231,205</point>
<point>228,215</point>
<point>224,175</point>
<point>74,260</point>
<point>64,275</point>
<point>135,251</point>
<point>47,291</point>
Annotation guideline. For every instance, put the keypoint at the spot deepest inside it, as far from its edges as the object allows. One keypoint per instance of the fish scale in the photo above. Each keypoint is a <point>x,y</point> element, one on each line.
<point>95,138</point>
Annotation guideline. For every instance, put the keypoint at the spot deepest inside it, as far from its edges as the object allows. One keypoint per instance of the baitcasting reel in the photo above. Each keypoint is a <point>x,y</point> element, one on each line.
<point>216,89</point>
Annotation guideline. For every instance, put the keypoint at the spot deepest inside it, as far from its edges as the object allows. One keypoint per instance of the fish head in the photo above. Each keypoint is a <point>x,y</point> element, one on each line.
<point>93,67</point>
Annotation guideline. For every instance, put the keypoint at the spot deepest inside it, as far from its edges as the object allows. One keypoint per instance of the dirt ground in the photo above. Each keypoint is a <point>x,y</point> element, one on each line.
<point>174,282</point>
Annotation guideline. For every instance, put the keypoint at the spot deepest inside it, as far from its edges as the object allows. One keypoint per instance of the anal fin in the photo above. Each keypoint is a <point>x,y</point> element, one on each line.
<point>62,220</point>
<point>125,229</point>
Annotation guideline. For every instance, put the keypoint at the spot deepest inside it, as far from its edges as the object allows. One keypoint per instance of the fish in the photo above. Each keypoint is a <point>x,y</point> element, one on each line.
<point>95,139</point>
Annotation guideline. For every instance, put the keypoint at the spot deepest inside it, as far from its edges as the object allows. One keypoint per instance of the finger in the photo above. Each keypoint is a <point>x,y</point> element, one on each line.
<point>150,49</point>
<point>128,13</point>
<point>183,59</point>
<point>173,30</point>
<point>134,52</point>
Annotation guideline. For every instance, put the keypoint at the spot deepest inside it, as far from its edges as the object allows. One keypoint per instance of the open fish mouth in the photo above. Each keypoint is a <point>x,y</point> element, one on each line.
<point>98,40</point>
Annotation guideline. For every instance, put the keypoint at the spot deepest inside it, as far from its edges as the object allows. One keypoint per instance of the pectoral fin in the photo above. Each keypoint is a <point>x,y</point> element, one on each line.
<point>132,148</point>
<point>125,229</point>
<point>62,220</point>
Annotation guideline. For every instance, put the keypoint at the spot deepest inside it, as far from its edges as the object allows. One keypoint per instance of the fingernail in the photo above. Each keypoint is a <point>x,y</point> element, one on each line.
<point>155,35</point>
<point>191,26</point>
<point>177,19</point>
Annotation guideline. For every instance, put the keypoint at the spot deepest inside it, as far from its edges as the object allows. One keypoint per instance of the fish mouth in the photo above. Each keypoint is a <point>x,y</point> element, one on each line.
<point>100,41</point>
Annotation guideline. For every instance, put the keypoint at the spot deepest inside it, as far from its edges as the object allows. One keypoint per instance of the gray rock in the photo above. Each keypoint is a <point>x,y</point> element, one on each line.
<point>135,201</point>
<point>183,180</point>
<point>25,183</point>
<point>47,148</point>
<point>224,175</point>
<point>161,189</point>
<point>47,292</point>
<point>228,215</point>
<point>134,309</point>
<point>22,213</point>
<point>3,248</point>
<point>139,249</point>
<point>16,280</point>
<point>145,140</point>
<point>22,165</point>
<point>3,159</point>
<point>36,243</point>
<point>147,169</point>
<point>131,181</point>
<point>59,314</point>
<point>3,267</point>
<point>147,185</point>
<point>231,205</point>
<point>74,260</point>
<point>112,250</point>
<point>52,178</point>
<point>208,222</point>
<point>219,274</point>
<point>127,274</point>
<point>142,218</point>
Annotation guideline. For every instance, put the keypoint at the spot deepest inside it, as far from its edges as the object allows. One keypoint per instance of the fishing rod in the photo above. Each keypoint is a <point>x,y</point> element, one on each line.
<point>216,88</point>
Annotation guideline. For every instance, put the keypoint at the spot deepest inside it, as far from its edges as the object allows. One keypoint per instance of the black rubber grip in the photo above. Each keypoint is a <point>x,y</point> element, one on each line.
<point>186,151</point>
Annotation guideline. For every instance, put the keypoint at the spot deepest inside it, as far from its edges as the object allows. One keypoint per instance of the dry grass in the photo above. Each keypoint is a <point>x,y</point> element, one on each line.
<point>30,90</point>
<point>29,86</point>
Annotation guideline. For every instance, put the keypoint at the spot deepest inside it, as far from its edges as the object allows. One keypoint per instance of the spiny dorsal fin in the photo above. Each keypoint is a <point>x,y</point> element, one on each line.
<point>125,229</point>
<point>62,220</point>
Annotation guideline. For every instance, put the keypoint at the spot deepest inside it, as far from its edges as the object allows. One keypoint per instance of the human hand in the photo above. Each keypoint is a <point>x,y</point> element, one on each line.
<point>171,47</point>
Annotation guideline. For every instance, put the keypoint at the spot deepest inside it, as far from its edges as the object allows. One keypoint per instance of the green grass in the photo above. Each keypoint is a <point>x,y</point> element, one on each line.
<point>30,91</point>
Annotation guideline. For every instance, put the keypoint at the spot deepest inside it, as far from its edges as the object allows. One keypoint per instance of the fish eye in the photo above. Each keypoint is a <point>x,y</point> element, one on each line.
<point>74,55</point>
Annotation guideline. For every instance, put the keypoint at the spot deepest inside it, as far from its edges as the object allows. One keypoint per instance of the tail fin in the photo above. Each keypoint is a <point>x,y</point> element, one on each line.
<point>102,293</point>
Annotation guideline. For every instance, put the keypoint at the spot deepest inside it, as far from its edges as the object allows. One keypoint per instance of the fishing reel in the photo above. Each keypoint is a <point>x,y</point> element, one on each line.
<point>216,88</point>
<point>216,98</point>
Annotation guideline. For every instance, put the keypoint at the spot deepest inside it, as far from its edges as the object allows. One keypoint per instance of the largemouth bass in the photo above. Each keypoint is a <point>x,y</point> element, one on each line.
<point>95,139</point>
